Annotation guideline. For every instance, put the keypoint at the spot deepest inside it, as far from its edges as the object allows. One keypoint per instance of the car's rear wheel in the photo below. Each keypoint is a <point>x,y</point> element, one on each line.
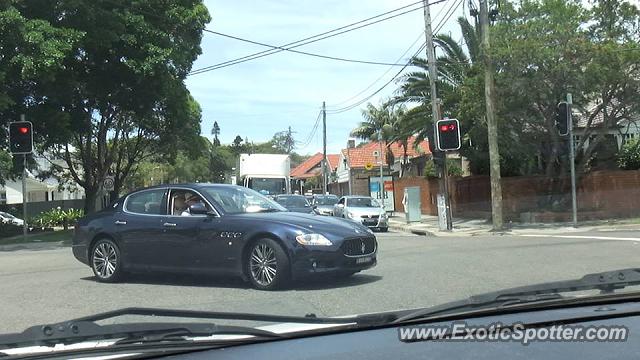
<point>106,261</point>
<point>267,265</point>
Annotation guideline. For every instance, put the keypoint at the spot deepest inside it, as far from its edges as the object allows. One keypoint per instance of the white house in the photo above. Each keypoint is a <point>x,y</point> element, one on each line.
<point>39,190</point>
<point>626,129</point>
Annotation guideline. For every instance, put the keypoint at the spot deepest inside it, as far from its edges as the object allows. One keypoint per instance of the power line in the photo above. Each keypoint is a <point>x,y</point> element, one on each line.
<point>309,137</point>
<point>438,28</point>
<point>275,51</point>
<point>347,108</point>
<point>389,69</point>
<point>314,38</point>
<point>303,52</point>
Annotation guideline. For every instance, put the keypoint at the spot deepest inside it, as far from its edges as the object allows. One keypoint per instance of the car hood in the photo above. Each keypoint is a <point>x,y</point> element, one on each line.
<point>325,207</point>
<point>325,225</point>
<point>366,210</point>
<point>302,209</point>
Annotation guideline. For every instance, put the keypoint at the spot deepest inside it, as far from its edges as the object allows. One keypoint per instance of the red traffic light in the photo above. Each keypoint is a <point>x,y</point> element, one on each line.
<point>23,130</point>
<point>450,127</point>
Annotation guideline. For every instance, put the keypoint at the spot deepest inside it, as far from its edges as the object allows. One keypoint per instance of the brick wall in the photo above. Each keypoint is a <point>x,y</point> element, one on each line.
<point>614,193</point>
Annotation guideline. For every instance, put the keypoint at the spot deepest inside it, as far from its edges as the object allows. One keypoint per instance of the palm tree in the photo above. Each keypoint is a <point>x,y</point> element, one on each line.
<point>215,131</point>
<point>453,68</point>
<point>382,118</point>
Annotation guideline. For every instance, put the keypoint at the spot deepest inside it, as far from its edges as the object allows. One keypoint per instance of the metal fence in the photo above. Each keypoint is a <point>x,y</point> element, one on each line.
<point>35,208</point>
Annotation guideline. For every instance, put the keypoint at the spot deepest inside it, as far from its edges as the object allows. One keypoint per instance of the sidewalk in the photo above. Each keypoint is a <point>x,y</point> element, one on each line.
<point>472,227</point>
<point>429,226</point>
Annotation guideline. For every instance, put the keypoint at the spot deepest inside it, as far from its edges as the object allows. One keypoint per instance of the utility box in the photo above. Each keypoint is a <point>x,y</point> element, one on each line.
<point>412,204</point>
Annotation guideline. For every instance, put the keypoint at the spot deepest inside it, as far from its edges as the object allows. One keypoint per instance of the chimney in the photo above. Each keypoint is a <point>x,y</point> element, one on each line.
<point>351,143</point>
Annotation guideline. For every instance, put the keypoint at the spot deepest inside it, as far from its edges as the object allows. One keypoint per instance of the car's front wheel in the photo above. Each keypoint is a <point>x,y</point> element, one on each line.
<point>267,265</point>
<point>106,261</point>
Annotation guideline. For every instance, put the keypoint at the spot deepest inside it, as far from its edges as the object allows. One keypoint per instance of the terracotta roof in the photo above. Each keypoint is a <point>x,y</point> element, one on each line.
<point>311,166</point>
<point>333,160</point>
<point>360,156</point>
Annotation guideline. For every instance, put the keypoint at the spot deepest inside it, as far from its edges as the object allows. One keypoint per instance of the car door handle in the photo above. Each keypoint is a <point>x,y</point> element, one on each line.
<point>120,222</point>
<point>169,224</point>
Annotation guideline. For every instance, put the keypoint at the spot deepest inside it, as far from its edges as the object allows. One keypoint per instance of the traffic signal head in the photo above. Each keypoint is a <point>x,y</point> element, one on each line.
<point>21,137</point>
<point>448,134</point>
<point>563,118</point>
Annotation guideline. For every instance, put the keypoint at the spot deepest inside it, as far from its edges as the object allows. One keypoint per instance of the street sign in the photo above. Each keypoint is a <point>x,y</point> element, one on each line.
<point>374,187</point>
<point>368,166</point>
<point>108,183</point>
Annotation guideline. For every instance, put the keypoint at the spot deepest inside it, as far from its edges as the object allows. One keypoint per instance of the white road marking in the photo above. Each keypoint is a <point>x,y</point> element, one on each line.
<point>584,237</point>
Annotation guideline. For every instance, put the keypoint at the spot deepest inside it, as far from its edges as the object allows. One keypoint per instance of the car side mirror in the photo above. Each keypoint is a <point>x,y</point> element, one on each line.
<point>340,205</point>
<point>198,209</point>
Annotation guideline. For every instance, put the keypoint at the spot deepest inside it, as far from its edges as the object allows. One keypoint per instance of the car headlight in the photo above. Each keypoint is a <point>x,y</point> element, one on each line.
<point>383,215</point>
<point>313,240</point>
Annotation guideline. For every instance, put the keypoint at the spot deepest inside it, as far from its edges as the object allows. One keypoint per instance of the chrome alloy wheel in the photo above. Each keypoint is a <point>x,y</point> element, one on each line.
<point>263,264</point>
<point>105,260</point>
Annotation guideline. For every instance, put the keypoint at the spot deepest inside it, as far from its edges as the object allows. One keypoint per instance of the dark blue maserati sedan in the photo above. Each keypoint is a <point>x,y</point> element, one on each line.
<point>221,229</point>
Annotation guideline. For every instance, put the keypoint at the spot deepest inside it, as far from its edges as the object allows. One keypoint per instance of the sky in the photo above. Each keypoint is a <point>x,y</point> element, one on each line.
<point>258,98</point>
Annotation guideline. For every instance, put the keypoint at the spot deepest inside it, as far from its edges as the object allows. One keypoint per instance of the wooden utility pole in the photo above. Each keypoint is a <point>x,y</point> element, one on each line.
<point>435,108</point>
<point>324,149</point>
<point>492,126</point>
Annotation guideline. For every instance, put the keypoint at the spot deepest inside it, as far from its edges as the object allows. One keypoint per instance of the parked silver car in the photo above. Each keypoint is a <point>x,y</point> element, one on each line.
<point>323,204</point>
<point>363,209</point>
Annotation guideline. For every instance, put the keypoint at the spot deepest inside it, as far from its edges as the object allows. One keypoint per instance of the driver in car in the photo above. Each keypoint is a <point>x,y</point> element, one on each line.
<point>191,200</point>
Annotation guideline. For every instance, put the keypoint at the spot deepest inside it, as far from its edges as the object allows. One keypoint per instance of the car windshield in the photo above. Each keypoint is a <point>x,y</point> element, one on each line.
<point>321,158</point>
<point>236,200</point>
<point>362,202</point>
<point>7,215</point>
<point>326,200</point>
<point>292,201</point>
<point>268,186</point>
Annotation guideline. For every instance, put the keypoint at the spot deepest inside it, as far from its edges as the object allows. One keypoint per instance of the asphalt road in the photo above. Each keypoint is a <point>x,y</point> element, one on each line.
<point>44,286</point>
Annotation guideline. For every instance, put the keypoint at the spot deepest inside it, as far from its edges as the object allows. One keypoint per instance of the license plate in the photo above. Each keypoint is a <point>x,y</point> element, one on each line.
<point>363,260</point>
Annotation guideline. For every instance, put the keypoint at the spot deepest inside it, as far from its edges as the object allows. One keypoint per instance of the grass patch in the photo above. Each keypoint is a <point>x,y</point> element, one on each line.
<point>50,236</point>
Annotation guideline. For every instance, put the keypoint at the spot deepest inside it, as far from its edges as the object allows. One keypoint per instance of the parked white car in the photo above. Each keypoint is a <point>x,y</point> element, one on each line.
<point>7,218</point>
<point>363,209</point>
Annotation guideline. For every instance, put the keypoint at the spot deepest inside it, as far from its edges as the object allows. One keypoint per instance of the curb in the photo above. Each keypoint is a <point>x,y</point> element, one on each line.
<point>34,246</point>
<point>407,229</point>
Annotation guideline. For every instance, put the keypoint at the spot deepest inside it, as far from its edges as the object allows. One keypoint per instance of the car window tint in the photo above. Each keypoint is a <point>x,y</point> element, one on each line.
<point>146,202</point>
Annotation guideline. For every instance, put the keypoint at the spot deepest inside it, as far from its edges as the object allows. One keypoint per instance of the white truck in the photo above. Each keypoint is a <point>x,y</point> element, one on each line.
<point>265,173</point>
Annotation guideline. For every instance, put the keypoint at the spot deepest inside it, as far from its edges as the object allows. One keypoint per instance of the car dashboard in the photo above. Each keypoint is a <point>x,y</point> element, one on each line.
<point>384,343</point>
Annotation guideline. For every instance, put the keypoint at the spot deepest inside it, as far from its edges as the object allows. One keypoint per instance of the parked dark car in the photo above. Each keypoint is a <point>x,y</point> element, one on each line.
<point>215,228</point>
<point>295,203</point>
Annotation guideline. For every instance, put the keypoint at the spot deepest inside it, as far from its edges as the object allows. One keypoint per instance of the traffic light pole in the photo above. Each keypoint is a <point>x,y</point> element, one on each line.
<point>25,228</point>
<point>572,162</point>
<point>435,109</point>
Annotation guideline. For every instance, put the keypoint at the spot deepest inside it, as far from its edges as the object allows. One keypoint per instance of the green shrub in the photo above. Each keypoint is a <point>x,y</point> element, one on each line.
<point>629,155</point>
<point>57,217</point>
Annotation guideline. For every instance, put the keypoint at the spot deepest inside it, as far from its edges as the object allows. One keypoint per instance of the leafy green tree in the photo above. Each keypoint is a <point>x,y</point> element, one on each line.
<point>284,141</point>
<point>629,156</point>
<point>32,51</point>
<point>119,92</point>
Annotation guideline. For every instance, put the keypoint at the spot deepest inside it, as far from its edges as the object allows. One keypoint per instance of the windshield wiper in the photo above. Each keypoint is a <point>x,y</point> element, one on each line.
<point>86,328</point>
<point>607,282</point>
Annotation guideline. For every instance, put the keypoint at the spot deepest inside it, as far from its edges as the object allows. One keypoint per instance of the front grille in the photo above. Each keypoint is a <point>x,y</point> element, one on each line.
<point>353,247</point>
<point>370,216</point>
